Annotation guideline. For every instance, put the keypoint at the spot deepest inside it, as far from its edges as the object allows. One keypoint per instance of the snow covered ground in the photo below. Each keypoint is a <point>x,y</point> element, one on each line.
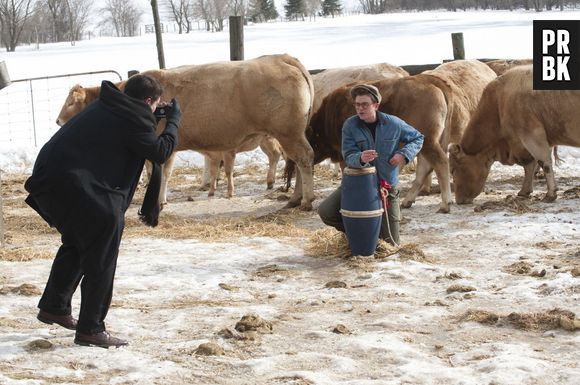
<point>480,296</point>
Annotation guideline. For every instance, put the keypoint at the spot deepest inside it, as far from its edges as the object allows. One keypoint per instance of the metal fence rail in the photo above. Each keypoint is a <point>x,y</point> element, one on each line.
<point>30,106</point>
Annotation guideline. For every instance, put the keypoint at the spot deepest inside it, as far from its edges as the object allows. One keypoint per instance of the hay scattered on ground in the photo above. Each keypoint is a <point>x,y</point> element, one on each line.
<point>24,254</point>
<point>460,289</point>
<point>219,229</point>
<point>326,172</point>
<point>332,243</point>
<point>253,322</point>
<point>327,243</point>
<point>479,316</point>
<point>511,203</point>
<point>519,268</point>
<point>573,193</point>
<point>539,321</point>
<point>25,289</point>
<point>209,349</point>
<point>412,252</point>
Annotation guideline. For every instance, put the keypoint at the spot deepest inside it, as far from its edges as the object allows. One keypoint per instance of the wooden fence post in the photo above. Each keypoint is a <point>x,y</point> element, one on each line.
<point>458,48</point>
<point>158,34</point>
<point>236,38</point>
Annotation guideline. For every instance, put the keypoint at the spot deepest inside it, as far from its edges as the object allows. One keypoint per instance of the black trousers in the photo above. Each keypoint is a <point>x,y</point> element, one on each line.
<point>91,235</point>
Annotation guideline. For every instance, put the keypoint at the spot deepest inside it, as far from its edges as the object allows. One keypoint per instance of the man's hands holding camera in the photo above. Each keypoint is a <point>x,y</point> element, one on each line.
<point>169,110</point>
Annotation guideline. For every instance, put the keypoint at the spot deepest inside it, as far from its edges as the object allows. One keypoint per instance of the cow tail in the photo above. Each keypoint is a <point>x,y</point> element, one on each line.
<point>289,169</point>
<point>296,63</point>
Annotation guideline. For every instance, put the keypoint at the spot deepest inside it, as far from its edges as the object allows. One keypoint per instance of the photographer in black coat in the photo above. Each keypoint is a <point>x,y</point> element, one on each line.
<point>82,183</point>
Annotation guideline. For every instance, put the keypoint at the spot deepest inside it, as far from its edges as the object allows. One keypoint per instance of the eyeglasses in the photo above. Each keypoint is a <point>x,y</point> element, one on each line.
<point>363,105</point>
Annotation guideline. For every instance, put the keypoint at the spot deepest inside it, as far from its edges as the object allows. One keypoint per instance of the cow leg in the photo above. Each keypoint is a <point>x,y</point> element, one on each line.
<point>205,179</point>
<point>528,185</point>
<point>537,144</point>
<point>426,186</point>
<point>422,171</point>
<point>148,170</point>
<point>215,159</point>
<point>167,169</point>
<point>229,161</point>
<point>270,147</point>
<point>302,154</point>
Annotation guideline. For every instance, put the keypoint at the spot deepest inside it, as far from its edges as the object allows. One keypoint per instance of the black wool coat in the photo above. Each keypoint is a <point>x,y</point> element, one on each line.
<point>95,160</point>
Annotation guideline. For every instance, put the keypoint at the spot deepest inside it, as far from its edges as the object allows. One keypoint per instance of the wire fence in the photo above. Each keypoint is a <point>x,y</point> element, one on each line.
<point>30,106</point>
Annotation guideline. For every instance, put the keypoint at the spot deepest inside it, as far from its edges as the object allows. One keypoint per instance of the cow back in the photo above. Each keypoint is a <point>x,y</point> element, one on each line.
<point>224,102</point>
<point>330,79</point>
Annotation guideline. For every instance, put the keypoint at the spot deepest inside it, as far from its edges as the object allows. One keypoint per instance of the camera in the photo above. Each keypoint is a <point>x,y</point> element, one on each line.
<point>162,108</point>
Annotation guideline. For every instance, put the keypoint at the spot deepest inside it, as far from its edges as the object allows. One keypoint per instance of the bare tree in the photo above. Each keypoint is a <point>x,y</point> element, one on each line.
<point>123,16</point>
<point>213,12</point>
<point>239,7</point>
<point>13,16</point>
<point>57,10</point>
<point>312,7</point>
<point>79,16</point>
<point>182,13</point>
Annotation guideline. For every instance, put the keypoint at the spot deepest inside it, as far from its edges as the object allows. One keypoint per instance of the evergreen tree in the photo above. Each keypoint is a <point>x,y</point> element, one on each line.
<point>270,11</point>
<point>255,11</point>
<point>331,7</point>
<point>295,9</point>
<point>262,10</point>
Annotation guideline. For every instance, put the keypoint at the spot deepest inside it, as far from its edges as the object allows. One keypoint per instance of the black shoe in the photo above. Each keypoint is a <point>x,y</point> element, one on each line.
<point>102,340</point>
<point>66,321</point>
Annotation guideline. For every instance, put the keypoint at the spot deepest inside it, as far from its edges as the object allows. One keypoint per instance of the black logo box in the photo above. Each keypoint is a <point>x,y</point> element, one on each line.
<point>573,63</point>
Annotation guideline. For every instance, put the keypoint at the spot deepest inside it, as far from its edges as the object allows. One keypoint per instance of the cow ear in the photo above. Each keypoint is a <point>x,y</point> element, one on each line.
<point>79,96</point>
<point>454,149</point>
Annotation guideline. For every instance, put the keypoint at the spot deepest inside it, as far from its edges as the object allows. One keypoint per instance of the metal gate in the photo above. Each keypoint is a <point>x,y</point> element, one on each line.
<point>30,107</point>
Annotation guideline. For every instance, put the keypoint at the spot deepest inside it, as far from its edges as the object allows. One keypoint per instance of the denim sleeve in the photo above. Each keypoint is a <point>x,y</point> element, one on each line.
<point>413,140</point>
<point>350,150</point>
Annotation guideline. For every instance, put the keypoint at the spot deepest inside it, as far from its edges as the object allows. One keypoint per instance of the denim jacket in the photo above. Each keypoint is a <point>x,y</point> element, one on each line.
<point>356,137</point>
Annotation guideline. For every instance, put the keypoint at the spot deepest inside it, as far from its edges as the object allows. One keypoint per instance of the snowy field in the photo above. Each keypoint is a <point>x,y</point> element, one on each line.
<point>487,294</point>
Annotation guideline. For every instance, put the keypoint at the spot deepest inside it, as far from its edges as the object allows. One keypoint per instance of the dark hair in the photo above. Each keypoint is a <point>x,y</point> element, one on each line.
<point>143,86</point>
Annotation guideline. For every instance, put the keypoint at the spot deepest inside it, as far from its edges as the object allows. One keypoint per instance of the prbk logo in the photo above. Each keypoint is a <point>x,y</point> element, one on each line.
<point>557,54</point>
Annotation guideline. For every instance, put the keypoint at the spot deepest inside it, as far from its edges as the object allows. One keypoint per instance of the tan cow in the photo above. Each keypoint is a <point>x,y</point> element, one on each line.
<point>438,103</point>
<point>226,105</point>
<point>79,97</point>
<point>514,124</point>
<point>332,78</point>
<point>500,66</point>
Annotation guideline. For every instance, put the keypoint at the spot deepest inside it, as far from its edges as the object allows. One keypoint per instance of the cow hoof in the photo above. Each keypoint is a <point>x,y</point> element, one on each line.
<point>443,210</point>
<point>291,204</point>
<point>210,194</point>
<point>270,186</point>
<point>306,207</point>
<point>407,205</point>
<point>524,194</point>
<point>549,198</point>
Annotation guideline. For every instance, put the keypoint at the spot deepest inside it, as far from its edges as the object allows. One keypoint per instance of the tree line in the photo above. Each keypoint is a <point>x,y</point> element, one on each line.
<point>47,21</point>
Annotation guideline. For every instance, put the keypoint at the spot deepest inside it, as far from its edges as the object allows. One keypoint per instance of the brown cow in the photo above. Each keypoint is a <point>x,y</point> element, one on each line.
<point>226,105</point>
<point>438,103</point>
<point>514,124</point>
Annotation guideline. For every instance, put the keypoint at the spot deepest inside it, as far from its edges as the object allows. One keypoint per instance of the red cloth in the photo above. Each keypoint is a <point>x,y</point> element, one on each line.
<point>385,187</point>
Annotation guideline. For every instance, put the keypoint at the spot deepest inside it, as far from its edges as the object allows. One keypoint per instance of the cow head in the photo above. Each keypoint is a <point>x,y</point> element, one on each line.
<point>75,102</point>
<point>469,173</point>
